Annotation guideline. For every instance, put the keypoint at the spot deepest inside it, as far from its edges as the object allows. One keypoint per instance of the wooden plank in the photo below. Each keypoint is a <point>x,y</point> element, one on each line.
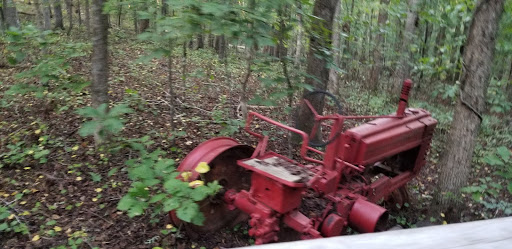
<point>495,233</point>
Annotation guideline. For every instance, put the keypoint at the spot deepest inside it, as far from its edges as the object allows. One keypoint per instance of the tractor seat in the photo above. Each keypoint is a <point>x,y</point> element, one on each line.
<point>279,168</point>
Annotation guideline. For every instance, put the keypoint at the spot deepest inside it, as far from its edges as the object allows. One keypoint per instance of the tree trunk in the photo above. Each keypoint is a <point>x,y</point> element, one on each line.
<point>220,47</point>
<point>346,30</point>
<point>477,56</point>
<point>377,54</point>
<point>1,21</point>
<point>211,41</point>
<point>57,12</point>
<point>144,23</point>
<point>184,64</point>
<point>69,9</point>
<point>404,68</point>
<point>39,15</point>
<point>10,14</point>
<point>79,12</point>
<point>135,21</point>
<point>336,37</point>
<point>165,8</point>
<point>99,85</point>
<point>509,83</point>
<point>47,24</point>
<point>300,31</point>
<point>200,43</point>
<point>87,17</point>
<point>170,82</point>
<point>424,49</point>
<point>119,14</point>
<point>320,40</point>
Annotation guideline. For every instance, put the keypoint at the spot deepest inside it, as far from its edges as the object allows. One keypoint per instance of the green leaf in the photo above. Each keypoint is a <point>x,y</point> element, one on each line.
<point>136,210</point>
<point>199,193</point>
<point>41,153</point>
<point>142,172</point>
<point>509,187</point>
<point>493,160</point>
<point>112,172</point>
<point>119,110</point>
<point>157,198</point>
<point>51,223</point>
<point>477,196</point>
<point>95,177</point>
<point>176,187</point>
<point>88,112</point>
<point>504,153</point>
<point>171,204</point>
<point>125,203</point>
<point>113,125</point>
<point>4,226</point>
<point>188,211</point>
<point>89,128</point>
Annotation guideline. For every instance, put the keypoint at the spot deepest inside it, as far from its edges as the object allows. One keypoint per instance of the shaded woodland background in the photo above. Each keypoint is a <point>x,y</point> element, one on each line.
<point>100,100</point>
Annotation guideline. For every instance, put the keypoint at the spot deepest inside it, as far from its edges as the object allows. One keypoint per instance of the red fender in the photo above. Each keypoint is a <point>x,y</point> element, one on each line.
<point>227,151</point>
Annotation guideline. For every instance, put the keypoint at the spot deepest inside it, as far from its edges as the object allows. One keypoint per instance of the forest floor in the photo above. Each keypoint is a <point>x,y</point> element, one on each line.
<point>72,197</point>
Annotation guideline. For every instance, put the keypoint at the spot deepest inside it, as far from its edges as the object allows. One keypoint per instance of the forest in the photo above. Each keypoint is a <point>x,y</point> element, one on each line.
<point>101,101</point>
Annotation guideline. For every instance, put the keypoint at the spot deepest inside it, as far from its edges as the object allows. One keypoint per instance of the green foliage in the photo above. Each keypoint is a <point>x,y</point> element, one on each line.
<point>48,58</point>
<point>447,92</point>
<point>489,190</point>
<point>501,159</point>
<point>104,122</point>
<point>497,97</point>
<point>221,116</point>
<point>155,185</point>
<point>21,151</point>
<point>9,222</point>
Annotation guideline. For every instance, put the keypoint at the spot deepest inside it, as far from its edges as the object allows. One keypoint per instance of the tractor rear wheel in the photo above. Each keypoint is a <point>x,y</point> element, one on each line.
<point>221,154</point>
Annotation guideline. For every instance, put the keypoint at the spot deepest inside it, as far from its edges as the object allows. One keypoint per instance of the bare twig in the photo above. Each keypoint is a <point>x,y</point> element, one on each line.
<point>99,216</point>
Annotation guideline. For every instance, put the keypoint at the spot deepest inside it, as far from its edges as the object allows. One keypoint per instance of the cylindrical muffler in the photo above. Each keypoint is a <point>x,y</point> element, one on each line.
<point>365,216</point>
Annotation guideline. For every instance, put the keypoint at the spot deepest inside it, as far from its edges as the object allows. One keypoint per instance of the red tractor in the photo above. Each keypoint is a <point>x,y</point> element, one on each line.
<point>358,168</point>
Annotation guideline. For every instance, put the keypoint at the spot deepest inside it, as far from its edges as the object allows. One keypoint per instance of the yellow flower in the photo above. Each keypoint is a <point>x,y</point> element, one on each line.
<point>41,139</point>
<point>79,178</point>
<point>169,226</point>
<point>202,167</point>
<point>57,228</point>
<point>196,183</point>
<point>30,152</point>
<point>75,148</point>
<point>186,175</point>
<point>98,190</point>
<point>11,217</point>
<point>95,199</point>
<point>37,131</point>
<point>36,238</point>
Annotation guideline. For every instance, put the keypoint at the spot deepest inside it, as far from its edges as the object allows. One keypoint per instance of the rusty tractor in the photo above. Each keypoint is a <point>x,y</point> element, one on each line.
<point>359,168</point>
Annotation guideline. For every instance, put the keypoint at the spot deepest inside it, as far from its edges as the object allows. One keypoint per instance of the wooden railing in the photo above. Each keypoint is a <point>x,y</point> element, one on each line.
<point>495,233</point>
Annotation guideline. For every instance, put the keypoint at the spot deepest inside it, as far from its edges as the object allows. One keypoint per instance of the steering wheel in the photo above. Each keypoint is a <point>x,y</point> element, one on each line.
<point>338,105</point>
